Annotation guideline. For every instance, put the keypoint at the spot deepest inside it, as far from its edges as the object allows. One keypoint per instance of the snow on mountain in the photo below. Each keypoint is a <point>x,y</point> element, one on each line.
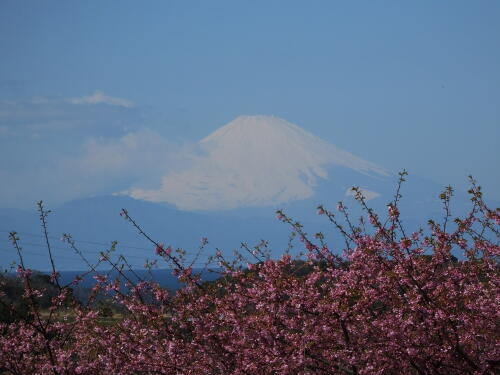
<point>254,161</point>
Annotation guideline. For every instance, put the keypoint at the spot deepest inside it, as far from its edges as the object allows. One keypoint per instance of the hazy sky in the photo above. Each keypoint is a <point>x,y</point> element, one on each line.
<point>97,95</point>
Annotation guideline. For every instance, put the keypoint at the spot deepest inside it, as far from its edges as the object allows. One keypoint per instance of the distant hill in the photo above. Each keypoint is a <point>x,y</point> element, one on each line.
<point>95,222</point>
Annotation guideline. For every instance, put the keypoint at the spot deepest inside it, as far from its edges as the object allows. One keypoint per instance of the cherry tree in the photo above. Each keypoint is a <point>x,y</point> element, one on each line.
<point>389,302</point>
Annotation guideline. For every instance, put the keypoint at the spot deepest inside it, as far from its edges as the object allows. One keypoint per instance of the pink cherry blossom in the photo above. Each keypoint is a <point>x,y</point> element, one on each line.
<point>394,303</point>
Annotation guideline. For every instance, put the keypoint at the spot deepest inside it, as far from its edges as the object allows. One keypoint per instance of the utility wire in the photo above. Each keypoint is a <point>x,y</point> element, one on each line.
<point>73,258</point>
<point>120,245</point>
<point>92,252</point>
<point>83,241</point>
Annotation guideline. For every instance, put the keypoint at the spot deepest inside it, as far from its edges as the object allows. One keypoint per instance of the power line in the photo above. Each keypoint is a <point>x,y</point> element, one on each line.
<point>66,249</point>
<point>73,258</point>
<point>82,241</point>
<point>31,253</point>
<point>120,245</point>
<point>44,255</point>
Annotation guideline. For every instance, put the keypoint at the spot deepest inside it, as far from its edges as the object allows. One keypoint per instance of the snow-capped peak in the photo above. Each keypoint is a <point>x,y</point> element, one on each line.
<point>254,161</point>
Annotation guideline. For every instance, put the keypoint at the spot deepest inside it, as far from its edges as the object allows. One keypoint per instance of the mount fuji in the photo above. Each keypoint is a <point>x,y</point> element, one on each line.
<point>256,161</point>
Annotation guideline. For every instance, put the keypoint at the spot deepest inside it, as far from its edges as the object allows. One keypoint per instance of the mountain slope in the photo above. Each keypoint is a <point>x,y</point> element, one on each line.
<point>255,161</point>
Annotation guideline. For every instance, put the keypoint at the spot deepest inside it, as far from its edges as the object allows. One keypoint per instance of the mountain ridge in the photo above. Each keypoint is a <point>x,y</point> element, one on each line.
<point>255,161</point>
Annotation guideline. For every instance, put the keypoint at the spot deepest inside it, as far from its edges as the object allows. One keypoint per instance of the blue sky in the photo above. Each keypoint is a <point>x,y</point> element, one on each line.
<point>94,92</point>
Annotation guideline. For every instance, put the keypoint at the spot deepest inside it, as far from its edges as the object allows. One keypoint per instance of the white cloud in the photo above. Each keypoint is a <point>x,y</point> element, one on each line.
<point>99,97</point>
<point>135,154</point>
<point>101,166</point>
<point>51,115</point>
<point>368,194</point>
